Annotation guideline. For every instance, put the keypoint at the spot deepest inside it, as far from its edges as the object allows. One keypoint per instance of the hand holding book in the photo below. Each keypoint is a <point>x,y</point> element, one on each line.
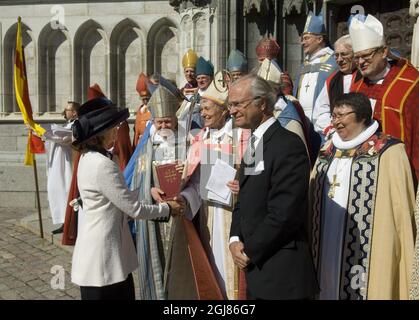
<point>169,180</point>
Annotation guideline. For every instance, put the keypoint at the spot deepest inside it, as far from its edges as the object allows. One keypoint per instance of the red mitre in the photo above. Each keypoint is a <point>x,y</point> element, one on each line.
<point>95,91</point>
<point>142,85</point>
<point>267,48</point>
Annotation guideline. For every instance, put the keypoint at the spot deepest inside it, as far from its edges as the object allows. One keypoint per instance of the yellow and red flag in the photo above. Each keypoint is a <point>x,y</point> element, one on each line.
<point>35,144</point>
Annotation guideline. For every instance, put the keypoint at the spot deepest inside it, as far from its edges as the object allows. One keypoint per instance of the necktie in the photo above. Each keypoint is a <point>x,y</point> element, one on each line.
<point>249,158</point>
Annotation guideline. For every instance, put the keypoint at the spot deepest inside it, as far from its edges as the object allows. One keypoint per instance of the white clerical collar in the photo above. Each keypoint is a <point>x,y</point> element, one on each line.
<point>202,91</point>
<point>361,138</point>
<point>381,75</point>
<point>322,52</point>
<point>227,129</point>
<point>260,131</point>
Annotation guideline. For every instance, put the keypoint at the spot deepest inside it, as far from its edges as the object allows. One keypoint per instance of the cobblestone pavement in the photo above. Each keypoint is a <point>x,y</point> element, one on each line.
<point>26,261</point>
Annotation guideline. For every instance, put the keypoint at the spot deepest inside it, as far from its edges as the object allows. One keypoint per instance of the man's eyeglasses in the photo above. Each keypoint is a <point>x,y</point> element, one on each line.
<point>336,116</point>
<point>343,55</point>
<point>240,105</point>
<point>367,56</point>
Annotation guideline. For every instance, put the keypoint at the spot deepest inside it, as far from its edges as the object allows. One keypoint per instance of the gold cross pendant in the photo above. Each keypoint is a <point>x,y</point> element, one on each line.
<point>333,186</point>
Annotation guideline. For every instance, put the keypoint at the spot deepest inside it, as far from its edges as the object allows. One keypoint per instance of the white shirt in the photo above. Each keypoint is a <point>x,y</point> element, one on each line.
<point>309,81</point>
<point>321,111</point>
<point>258,133</point>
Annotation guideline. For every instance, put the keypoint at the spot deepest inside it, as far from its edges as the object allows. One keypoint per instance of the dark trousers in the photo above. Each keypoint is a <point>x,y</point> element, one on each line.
<point>250,296</point>
<point>118,291</point>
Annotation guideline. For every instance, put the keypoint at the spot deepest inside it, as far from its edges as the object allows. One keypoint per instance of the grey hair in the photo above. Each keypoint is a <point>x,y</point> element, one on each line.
<point>260,88</point>
<point>345,41</point>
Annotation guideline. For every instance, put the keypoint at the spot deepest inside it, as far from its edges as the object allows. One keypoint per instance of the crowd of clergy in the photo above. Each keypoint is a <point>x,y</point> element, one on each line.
<point>354,106</point>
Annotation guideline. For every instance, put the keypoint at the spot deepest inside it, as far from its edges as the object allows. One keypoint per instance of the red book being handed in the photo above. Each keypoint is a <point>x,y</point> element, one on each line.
<point>169,180</point>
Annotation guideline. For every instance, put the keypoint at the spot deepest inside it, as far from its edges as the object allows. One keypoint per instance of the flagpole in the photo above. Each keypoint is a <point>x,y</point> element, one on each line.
<point>41,229</point>
<point>24,103</point>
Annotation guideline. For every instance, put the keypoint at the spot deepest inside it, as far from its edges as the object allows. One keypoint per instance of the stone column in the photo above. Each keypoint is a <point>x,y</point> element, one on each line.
<point>200,22</point>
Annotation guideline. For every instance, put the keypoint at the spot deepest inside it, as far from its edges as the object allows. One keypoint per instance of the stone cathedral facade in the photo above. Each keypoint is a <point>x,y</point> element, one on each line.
<point>72,44</point>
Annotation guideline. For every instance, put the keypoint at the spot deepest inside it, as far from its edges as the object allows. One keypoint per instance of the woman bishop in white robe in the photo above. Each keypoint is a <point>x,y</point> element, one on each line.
<point>362,204</point>
<point>217,140</point>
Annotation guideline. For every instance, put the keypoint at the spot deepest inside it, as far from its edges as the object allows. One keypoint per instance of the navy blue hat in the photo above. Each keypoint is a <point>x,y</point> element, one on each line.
<point>314,24</point>
<point>95,117</point>
<point>94,104</point>
<point>204,67</point>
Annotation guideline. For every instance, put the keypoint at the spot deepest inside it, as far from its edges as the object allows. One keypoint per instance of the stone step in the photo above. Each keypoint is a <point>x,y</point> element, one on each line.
<point>19,157</point>
<point>31,223</point>
<point>17,182</point>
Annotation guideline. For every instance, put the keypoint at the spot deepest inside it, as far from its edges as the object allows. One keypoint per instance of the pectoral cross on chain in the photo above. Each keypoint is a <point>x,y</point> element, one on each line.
<point>218,147</point>
<point>333,186</point>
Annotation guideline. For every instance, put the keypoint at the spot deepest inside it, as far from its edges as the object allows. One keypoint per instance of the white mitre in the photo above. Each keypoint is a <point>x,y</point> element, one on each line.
<point>366,34</point>
<point>270,71</point>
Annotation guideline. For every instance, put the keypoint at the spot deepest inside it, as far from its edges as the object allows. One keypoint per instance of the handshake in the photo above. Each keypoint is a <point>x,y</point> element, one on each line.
<point>177,206</point>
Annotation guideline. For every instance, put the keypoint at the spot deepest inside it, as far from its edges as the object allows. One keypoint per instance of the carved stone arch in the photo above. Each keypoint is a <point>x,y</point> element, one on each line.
<point>28,42</point>
<point>54,69</point>
<point>162,49</point>
<point>127,61</point>
<point>90,58</point>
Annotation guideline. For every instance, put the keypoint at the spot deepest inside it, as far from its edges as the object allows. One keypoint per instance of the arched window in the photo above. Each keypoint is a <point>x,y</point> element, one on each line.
<point>54,73</point>
<point>127,61</point>
<point>90,59</point>
<point>163,53</point>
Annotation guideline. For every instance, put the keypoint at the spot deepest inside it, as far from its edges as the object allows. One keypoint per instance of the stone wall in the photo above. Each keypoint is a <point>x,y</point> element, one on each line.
<point>70,46</point>
<point>73,45</point>
<point>17,183</point>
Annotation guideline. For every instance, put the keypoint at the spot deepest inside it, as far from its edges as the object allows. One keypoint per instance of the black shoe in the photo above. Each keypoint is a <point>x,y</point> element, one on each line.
<point>59,230</point>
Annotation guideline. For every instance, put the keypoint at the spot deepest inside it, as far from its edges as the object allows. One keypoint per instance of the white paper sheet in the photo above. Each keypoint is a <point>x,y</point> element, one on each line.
<point>221,174</point>
<point>215,197</point>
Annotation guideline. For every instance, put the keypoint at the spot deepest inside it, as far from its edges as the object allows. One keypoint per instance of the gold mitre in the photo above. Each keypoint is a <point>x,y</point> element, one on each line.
<point>217,91</point>
<point>189,59</point>
<point>270,71</point>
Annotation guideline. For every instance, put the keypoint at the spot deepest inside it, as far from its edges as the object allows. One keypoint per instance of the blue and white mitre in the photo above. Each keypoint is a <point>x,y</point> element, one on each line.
<point>314,24</point>
<point>236,61</point>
